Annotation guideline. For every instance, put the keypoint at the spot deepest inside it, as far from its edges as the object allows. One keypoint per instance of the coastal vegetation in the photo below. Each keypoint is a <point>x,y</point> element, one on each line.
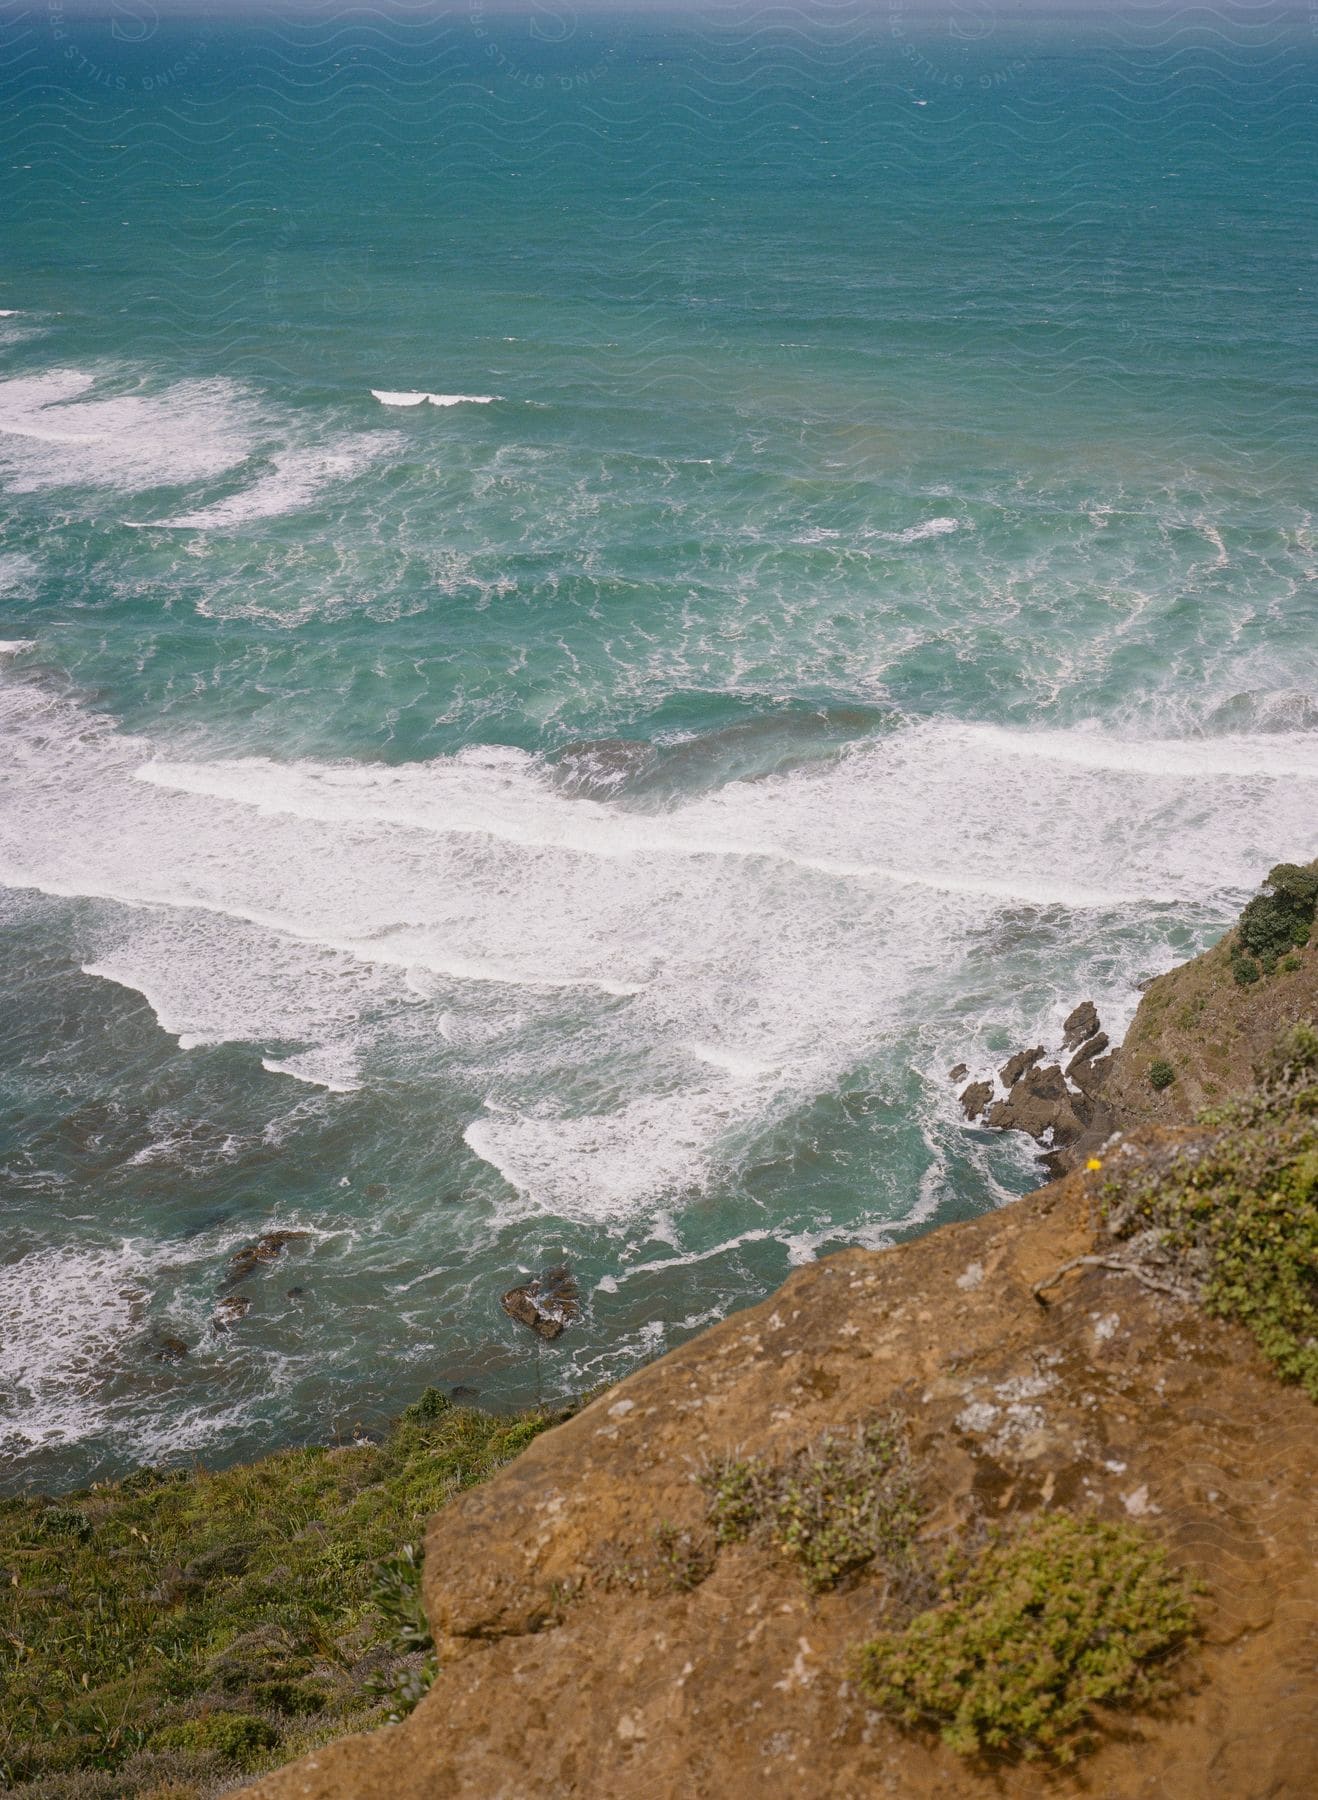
<point>1275,922</point>
<point>1231,1214</point>
<point>165,1633</point>
<point>832,1508</point>
<point>1031,1634</point>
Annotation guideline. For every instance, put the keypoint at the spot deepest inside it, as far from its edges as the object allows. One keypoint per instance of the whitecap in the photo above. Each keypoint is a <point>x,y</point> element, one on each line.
<point>420,397</point>
<point>325,1068</point>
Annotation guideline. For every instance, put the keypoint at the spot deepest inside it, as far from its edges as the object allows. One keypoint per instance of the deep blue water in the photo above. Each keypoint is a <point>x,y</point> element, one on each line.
<point>590,603</point>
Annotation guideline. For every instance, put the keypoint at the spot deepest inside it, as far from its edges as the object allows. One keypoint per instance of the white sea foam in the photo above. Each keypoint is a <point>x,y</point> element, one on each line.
<point>57,431</point>
<point>63,1316</point>
<point>17,572</point>
<point>929,528</point>
<point>12,646</point>
<point>638,995</point>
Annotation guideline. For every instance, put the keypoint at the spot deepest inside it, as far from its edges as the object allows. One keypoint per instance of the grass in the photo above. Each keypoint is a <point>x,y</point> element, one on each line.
<point>172,1630</point>
<point>1030,1635</point>
<point>833,1507</point>
<point>1236,1210</point>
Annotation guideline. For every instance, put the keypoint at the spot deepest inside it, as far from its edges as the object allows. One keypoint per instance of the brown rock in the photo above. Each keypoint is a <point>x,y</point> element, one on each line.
<point>960,1071</point>
<point>976,1097</point>
<point>546,1304</point>
<point>229,1310</point>
<point>1015,1066</point>
<point>270,1243</point>
<point>519,1305</point>
<point>1079,1025</point>
<point>266,1248</point>
<point>1084,1068</point>
<point>1039,1103</point>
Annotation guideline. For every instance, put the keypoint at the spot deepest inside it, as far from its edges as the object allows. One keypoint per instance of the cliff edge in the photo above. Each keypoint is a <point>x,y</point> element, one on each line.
<point>602,1630</point>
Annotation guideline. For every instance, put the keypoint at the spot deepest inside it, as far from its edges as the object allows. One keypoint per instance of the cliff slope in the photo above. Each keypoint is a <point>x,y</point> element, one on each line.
<point>597,1639</point>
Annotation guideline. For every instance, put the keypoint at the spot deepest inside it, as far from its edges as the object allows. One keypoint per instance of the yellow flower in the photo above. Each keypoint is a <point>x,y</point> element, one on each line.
<point>1094,1163</point>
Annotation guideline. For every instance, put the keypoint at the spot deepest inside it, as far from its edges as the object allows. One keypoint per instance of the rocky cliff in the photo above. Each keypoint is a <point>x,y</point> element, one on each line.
<point>600,1632</point>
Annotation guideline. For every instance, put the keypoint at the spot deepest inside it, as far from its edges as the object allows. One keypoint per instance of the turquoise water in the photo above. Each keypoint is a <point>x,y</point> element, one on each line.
<point>854,599</point>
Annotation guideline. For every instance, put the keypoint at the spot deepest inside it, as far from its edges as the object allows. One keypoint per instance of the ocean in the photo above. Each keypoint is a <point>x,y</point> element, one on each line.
<point>591,600</point>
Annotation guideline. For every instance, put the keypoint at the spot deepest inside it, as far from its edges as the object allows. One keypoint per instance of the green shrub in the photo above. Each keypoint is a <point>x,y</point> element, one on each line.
<point>1244,968</point>
<point>1161,1074</point>
<point>1281,917</point>
<point>1032,1634</point>
<point>832,1507</point>
<point>239,1738</point>
<point>1236,1210</point>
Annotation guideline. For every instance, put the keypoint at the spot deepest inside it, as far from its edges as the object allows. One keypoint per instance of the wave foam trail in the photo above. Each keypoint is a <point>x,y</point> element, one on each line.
<point>637,995</point>
<point>55,431</point>
<point>296,479</point>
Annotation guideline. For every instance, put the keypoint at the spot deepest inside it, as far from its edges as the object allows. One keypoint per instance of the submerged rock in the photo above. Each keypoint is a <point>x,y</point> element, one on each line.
<point>270,1243</point>
<point>960,1071</point>
<point>546,1304</point>
<point>167,1348</point>
<point>229,1310</point>
<point>602,765</point>
<point>266,1248</point>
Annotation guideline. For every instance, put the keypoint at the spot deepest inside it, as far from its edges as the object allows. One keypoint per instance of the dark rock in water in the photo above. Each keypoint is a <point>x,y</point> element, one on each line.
<point>461,1393</point>
<point>270,1243</point>
<point>1015,1066</point>
<point>266,1248</point>
<point>229,1310</point>
<point>1040,1103</point>
<point>1090,1076</point>
<point>294,1293</point>
<point>976,1097</point>
<point>547,1303</point>
<point>961,1070</point>
<point>168,1349</point>
<point>1077,1069</point>
<point>1079,1025</point>
<point>602,765</point>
